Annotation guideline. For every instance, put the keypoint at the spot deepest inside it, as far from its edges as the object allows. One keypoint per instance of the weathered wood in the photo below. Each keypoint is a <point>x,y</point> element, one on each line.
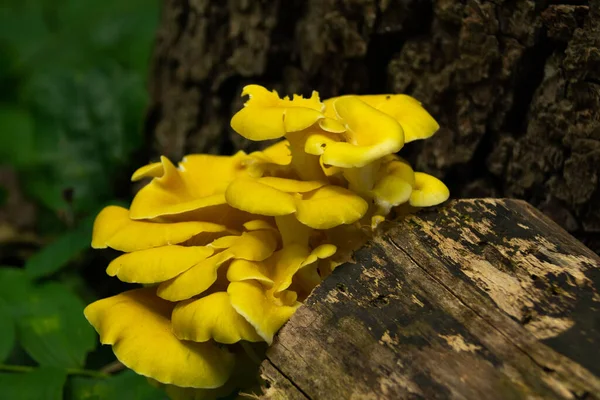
<point>513,84</point>
<point>479,299</point>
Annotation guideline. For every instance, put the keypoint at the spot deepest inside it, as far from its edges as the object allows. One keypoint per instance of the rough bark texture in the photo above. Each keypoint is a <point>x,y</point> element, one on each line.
<point>515,84</point>
<point>480,299</point>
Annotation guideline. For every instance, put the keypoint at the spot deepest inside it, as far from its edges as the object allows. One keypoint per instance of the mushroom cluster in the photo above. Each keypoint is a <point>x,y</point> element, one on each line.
<point>226,248</point>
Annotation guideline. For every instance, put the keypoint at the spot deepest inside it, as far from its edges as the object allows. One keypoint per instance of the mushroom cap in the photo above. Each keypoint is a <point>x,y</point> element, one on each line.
<point>137,325</point>
<point>211,318</point>
<point>153,170</point>
<point>258,198</point>
<point>113,228</point>
<point>265,312</point>
<point>158,264</point>
<point>199,182</point>
<point>251,246</point>
<point>330,206</point>
<point>428,191</point>
<point>416,122</point>
<point>266,116</point>
<point>290,185</point>
<point>370,134</point>
<point>244,270</point>
<point>394,184</point>
<point>277,153</point>
<point>195,280</point>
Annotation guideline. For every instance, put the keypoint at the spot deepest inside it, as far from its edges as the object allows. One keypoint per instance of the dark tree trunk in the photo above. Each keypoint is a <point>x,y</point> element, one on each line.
<point>515,84</point>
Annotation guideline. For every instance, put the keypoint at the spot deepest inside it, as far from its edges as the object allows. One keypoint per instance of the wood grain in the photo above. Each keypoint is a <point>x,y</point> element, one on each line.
<point>479,299</point>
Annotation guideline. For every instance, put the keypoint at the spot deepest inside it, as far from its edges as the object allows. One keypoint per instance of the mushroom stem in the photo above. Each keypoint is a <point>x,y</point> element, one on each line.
<point>361,180</point>
<point>305,165</point>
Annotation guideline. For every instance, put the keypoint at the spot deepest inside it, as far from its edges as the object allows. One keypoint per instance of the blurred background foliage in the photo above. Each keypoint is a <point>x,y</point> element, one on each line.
<point>72,101</point>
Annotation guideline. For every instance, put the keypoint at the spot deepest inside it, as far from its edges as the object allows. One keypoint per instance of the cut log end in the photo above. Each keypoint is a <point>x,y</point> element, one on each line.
<point>477,299</point>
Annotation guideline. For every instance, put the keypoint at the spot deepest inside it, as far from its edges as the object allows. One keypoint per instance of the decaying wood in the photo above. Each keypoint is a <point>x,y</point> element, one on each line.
<point>515,85</point>
<point>479,299</point>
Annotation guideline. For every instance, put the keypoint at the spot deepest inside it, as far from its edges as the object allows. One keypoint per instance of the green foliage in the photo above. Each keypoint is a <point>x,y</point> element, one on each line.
<point>72,102</point>
<point>126,386</point>
<point>72,95</point>
<point>42,383</point>
<point>84,135</point>
<point>58,253</point>
<point>48,319</point>
<point>7,333</point>
<point>17,147</point>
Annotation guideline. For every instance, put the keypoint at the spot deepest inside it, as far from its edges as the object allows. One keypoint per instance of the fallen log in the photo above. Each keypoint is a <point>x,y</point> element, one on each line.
<point>479,299</point>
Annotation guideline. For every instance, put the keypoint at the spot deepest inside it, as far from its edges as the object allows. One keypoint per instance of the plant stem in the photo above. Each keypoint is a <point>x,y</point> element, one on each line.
<point>70,371</point>
<point>114,366</point>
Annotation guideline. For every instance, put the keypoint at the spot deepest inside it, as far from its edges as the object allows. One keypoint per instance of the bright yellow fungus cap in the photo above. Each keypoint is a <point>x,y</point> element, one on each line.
<point>211,318</point>
<point>394,184</point>
<point>416,122</point>
<point>137,325</point>
<point>266,116</point>
<point>234,244</point>
<point>244,270</point>
<point>370,134</point>
<point>251,246</point>
<point>429,191</point>
<point>258,198</point>
<point>330,206</point>
<point>113,228</point>
<point>265,312</point>
<point>177,191</point>
<point>158,264</point>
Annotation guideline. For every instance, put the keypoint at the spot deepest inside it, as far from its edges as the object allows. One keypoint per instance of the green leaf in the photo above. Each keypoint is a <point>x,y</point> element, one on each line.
<point>7,332</point>
<point>64,249</point>
<point>49,318</point>
<point>16,136</point>
<point>43,383</point>
<point>87,127</point>
<point>126,386</point>
<point>14,285</point>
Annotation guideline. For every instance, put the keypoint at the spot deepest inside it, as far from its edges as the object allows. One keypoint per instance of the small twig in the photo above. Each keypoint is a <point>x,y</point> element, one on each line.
<point>70,371</point>
<point>113,367</point>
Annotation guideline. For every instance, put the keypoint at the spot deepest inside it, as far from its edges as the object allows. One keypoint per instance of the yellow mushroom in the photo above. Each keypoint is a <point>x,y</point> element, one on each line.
<point>113,228</point>
<point>314,204</point>
<point>330,206</point>
<point>394,185</point>
<point>275,160</point>
<point>137,325</point>
<point>428,191</point>
<point>416,122</point>
<point>157,264</point>
<point>370,134</point>
<point>266,313</point>
<point>235,243</point>
<point>211,318</point>
<point>257,198</point>
<point>251,246</point>
<point>266,116</point>
<point>244,270</point>
<point>199,182</point>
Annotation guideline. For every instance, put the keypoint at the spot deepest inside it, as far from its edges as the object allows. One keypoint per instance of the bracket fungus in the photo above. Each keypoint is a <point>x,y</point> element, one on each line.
<point>228,247</point>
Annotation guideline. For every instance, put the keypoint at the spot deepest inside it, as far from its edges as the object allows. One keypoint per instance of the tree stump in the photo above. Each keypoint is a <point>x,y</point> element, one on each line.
<point>515,85</point>
<point>479,299</point>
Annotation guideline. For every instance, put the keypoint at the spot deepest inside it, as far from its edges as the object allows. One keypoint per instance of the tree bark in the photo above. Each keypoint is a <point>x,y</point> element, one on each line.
<point>515,84</point>
<point>479,299</point>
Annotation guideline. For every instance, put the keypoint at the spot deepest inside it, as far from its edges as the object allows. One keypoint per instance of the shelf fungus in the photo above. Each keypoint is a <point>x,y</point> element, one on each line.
<point>227,248</point>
